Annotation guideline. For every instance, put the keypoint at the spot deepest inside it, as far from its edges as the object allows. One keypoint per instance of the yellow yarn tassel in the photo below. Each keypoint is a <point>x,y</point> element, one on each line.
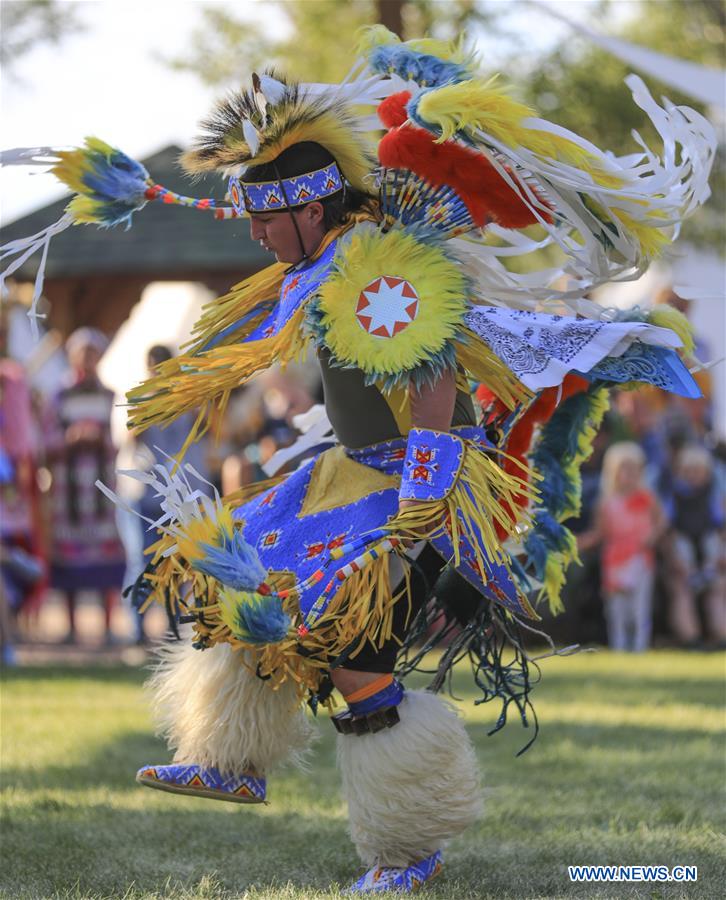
<point>665,316</point>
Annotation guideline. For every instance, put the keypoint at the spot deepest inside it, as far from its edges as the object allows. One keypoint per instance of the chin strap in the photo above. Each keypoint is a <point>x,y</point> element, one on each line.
<point>305,254</point>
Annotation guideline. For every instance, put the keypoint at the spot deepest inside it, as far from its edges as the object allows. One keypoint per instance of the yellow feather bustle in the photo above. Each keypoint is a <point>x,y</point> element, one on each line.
<point>487,105</point>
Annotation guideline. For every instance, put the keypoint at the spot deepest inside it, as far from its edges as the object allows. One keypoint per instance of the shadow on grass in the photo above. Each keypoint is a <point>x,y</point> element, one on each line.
<point>168,854</point>
<point>113,765</point>
<point>118,674</point>
<point>100,849</point>
<point>81,847</point>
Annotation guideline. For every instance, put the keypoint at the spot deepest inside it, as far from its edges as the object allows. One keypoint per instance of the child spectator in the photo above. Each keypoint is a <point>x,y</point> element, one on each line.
<point>697,548</point>
<point>628,523</point>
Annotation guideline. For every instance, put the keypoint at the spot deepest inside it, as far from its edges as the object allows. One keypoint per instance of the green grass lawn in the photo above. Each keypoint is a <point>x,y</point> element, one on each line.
<point>629,768</point>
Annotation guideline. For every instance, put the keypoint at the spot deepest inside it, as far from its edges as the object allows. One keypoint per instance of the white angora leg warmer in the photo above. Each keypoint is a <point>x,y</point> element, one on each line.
<point>412,787</point>
<point>215,712</point>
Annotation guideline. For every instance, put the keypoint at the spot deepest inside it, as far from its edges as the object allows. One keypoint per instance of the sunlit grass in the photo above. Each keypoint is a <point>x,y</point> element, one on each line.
<point>628,768</point>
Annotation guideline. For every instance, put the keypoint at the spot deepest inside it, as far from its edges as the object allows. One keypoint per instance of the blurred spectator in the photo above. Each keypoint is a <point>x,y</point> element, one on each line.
<point>157,445</point>
<point>628,523</point>
<point>86,551</point>
<point>260,422</point>
<point>684,418</point>
<point>697,548</point>
<point>21,565</point>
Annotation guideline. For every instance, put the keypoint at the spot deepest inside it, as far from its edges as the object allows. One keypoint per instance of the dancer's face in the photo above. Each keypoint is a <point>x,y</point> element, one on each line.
<point>276,232</point>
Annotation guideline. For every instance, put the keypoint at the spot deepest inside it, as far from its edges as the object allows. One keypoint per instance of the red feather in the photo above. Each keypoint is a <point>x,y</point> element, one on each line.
<point>520,437</point>
<point>486,194</point>
<point>392,110</point>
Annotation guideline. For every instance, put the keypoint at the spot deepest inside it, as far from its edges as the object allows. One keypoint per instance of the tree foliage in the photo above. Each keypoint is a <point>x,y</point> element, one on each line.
<point>576,85</point>
<point>26,23</point>
<point>315,37</point>
<point>583,88</point>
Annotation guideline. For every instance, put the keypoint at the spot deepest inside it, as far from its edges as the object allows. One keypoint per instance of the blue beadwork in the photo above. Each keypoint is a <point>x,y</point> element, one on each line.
<point>289,541</point>
<point>432,464</point>
<point>273,196</point>
<point>381,879</point>
<point>185,779</point>
<point>391,695</point>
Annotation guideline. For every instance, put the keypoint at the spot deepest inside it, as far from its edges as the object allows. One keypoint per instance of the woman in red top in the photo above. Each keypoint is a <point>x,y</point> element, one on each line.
<point>628,523</point>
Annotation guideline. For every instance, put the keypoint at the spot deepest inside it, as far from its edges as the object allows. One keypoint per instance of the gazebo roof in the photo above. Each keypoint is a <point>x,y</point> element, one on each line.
<point>164,240</point>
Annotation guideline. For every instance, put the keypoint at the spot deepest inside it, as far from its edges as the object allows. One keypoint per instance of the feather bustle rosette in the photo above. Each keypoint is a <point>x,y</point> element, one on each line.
<point>486,194</point>
<point>437,304</point>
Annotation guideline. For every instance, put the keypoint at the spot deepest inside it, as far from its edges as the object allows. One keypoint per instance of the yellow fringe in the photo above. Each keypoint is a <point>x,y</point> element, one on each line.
<point>203,380</point>
<point>241,299</point>
<point>480,498</point>
<point>199,382</point>
<point>250,491</point>
<point>361,610</point>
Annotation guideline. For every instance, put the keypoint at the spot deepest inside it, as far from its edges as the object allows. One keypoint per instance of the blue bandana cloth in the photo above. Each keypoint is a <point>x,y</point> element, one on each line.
<point>540,349</point>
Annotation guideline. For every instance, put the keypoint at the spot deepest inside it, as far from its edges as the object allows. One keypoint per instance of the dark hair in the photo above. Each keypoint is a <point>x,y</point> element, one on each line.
<point>307,156</point>
<point>157,354</point>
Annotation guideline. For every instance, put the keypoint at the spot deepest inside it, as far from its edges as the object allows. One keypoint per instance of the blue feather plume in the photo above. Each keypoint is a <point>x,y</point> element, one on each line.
<point>234,563</point>
<point>411,65</point>
<point>254,618</point>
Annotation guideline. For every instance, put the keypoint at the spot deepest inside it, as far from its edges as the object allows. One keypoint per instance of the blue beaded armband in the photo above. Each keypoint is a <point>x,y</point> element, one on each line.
<point>391,695</point>
<point>432,464</point>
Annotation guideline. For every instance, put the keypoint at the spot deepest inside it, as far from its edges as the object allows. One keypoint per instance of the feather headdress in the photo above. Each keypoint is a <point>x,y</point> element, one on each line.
<point>254,127</point>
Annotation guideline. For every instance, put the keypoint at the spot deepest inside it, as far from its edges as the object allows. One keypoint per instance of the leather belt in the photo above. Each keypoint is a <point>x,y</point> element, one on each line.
<point>345,723</point>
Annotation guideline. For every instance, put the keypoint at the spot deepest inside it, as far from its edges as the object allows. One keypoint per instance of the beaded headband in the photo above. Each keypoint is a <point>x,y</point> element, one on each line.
<point>271,196</point>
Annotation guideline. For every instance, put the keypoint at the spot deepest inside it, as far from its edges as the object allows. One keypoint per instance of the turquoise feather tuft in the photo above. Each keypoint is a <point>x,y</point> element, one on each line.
<point>254,618</point>
<point>234,564</point>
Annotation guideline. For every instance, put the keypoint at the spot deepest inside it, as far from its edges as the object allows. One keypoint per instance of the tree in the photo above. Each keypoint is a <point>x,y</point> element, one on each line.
<point>27,23</point>
<point>583,87</point>
<point>318,35</point>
